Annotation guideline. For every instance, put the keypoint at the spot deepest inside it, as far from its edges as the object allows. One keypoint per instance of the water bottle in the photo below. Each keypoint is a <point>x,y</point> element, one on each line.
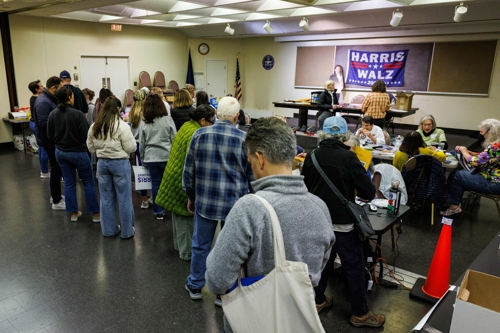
<point>394,198</point>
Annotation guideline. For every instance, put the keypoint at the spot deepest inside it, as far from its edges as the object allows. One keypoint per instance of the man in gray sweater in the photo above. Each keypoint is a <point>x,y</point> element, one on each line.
<point>247,238</point>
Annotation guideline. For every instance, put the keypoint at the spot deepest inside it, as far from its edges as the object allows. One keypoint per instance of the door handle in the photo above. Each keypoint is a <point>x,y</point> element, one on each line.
<point>104,82</point>
<point>109,83</point>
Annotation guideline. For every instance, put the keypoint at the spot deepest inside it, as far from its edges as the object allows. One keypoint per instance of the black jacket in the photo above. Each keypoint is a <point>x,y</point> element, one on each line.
<point>180,115</point>
<point>344,169</point>
<point>325,101</point>
<point>68,129</point>
<point>43,106</point>
<point>80,103</point>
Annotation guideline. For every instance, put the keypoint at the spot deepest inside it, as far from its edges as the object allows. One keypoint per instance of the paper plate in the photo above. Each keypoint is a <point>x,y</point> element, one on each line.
<point>380,203</point>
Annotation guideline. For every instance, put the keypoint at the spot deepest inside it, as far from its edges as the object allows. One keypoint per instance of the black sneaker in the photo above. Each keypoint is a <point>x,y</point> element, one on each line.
<point>160,216</point>
<point>193,293</point>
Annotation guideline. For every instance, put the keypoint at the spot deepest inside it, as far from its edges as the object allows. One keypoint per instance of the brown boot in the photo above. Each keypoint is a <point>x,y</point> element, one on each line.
<point>369,320</point>
<point>328,302</point>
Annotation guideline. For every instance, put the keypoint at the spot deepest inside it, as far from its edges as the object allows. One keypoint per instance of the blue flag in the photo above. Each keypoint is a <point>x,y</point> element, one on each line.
<point>190,73</point>
<point>367,67</point>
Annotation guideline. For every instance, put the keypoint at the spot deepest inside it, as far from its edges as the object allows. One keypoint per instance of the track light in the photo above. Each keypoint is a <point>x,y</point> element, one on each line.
<point>304,24</point>
<point>268,27</point>
<point>396,18</point>
<point>460,11</point>
<point>229,30</point>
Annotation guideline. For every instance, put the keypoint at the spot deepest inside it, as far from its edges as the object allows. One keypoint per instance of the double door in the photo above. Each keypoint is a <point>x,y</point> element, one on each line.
<point>109,72</point>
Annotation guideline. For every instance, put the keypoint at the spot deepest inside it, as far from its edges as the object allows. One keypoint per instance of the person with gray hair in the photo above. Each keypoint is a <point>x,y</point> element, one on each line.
<point>344,169</point>
<point>327,102</point>
<point>216,174</point>
<point>247,238</point>
<point>430,133</point>
<point>484,174</point>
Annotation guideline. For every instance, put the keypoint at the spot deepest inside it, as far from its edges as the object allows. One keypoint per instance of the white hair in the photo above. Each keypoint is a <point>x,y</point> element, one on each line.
<point>492,127</point>
<point>228,108</point>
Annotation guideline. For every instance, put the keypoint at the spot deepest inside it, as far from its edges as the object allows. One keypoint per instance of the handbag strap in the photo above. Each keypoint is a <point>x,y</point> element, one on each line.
<point>327,180</point>
<point>279,244</point>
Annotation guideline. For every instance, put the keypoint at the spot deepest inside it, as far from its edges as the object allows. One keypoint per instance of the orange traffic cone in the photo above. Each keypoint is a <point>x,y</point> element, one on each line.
<point>438,277</point>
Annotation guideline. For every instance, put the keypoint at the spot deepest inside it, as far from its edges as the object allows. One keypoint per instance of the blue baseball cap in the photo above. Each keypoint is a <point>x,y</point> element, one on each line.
<point>65,75</point>
<point>335,125</point>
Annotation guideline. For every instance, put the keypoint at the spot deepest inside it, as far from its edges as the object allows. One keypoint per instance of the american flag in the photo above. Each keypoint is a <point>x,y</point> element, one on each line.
<point>237,83</point>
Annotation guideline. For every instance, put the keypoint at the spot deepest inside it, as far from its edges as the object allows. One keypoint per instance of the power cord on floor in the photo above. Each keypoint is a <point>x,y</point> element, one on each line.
<point>388,269</point>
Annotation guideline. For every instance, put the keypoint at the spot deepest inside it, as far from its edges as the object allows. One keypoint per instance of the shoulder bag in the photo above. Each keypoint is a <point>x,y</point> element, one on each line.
<point>361,221</point>
<point>282,301</point>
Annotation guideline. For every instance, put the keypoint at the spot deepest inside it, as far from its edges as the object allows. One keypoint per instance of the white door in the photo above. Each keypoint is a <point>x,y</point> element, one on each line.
<point>216,78</point>
<point>105,72</point>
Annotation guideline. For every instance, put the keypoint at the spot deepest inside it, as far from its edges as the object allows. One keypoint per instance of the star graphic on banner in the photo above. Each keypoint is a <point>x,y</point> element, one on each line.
<point>369,66</point>
<point>375,66</point>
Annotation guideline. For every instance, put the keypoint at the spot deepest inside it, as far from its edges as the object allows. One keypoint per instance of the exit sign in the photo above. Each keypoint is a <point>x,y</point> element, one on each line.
<point>116,27</point>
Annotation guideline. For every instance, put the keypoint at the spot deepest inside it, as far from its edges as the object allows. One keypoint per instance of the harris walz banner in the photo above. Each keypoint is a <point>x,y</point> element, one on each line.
<point>364,68</point>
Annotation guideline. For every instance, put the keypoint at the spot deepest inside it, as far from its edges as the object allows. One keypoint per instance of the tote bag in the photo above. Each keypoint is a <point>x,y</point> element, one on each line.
<point>282,301</point>
<point>142,178</point>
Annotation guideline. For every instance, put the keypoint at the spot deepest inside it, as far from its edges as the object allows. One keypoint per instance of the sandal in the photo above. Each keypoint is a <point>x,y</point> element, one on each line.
<point>450,212</point>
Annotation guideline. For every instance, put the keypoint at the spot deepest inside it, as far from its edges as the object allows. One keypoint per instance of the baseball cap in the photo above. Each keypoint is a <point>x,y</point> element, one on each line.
<point>65,75</point>
<point>335,125</point>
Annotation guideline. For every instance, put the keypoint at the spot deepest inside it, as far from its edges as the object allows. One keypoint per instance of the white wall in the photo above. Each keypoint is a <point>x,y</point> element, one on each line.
<point>46,46</point>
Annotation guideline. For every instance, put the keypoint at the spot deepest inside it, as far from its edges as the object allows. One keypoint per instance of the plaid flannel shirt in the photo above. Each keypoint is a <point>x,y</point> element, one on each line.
<point>376,104</point>
<point>216,173</point>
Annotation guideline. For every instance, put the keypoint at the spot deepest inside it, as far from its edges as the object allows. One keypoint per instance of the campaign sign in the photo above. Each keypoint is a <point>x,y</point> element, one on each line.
<point>367,67</point>
<point>142,178</point>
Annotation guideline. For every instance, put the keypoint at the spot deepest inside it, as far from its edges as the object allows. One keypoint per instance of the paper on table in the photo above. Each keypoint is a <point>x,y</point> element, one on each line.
<point>422,322</point>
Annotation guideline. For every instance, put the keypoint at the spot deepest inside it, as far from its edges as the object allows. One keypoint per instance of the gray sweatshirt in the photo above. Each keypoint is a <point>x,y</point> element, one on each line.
<point>247,238</point>
<point>155,140</point>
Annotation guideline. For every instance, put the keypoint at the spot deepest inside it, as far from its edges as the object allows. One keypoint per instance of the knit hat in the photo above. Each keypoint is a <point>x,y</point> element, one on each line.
<point>140,95</point>
<point>335,125</point>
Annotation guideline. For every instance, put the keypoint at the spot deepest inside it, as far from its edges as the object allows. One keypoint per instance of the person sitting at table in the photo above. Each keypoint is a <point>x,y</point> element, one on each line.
<point>430,133</point>
<point>484,176</point>
<point>377,103</point>
<point>412,145</point>
<point>327,102</point>
<point>373,133</point>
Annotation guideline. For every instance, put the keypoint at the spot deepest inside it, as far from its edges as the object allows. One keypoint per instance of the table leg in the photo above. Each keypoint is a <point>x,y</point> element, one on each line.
<point>379,251</point>
<point>303,113</point>
<point>392,237</point>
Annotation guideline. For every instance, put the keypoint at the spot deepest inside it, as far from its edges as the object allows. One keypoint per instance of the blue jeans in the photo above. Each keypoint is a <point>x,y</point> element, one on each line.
<point>70,162</point>
<point>55,174</point>
<point>115,184</point>
<point>350,250</point>
<point>203,236</point>
<point>42,154</point>
<point>156,169</point>
<point>462,180</point>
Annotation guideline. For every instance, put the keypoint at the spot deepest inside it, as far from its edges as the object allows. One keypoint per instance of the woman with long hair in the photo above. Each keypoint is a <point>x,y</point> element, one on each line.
<point>170,195</point>
<point>103,94</point>
<point>412,145</point>
<point>67,128</point>
<point>155,144</point>
<point>159,92</point>
<point>136,123</point>
<point>112,140</point>
<point>182,105</point>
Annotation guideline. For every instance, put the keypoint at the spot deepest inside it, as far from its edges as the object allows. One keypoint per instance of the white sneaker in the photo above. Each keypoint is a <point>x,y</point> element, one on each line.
<point>145,204</point>
<point>62,199</point>
<point>44,174</point>
<point>61,205</point>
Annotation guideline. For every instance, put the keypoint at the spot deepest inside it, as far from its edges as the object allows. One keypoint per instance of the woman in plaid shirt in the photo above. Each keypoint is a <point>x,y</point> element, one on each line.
<point>377,103</point>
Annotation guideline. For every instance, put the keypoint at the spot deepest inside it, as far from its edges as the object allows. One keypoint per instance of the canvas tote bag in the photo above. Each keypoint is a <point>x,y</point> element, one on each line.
<point>282,301</point>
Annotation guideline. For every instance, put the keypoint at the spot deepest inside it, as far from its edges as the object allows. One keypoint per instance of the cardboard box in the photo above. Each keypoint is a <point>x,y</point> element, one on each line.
<point>404,100</point>
<point>477,307</point>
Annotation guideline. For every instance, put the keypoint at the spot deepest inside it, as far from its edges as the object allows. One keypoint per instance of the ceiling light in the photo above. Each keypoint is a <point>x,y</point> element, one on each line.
<point>460,10</point>
<point>304,24</point>
<point>229,30</point>
<point>396,18</point>
<point>268,27</point>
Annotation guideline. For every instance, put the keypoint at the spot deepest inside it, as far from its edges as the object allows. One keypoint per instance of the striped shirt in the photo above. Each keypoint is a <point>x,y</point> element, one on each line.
<point>376,104</point>
<point>216,173</point>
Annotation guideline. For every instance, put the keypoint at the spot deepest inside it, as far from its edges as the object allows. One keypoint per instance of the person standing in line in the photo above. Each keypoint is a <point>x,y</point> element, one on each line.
<point>80,102</point>
<point>247,237</point>
<point>157,91</point>
<point>190,90</point>
<point>103,94</point>
<point>346,172</point>
<point>136,122</point>
<point>327,103</point>
<point>156,139</point>
<point>112,140</point>
<point>67,128</point>
<point>89,97</point>
<point>216,174</point>
<point>170,195</point>
<point>44,104</point>
<point>377,103</point>
<point>182,105</point>
<point>36,88</point>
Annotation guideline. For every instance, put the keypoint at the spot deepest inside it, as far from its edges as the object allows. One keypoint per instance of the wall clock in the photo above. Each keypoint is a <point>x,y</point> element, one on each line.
<point>203,48</point>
